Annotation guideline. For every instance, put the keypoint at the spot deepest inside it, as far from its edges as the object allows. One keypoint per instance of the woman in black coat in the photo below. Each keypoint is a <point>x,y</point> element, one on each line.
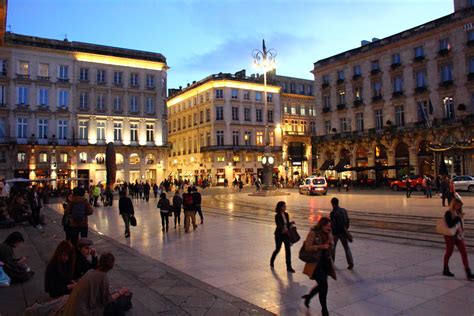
<point>282,220</point>
<point>126,210</point>
<point>58,278</point>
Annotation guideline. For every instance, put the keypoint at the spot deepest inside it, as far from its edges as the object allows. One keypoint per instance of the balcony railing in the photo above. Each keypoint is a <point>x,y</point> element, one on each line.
<point>326,109</point>
<point>443,52</point>
<point>358,102</point>
<point>43,78</point>
<point>470,76</point>
<point>63,80</point>
<point>356,76</point>
<point>341,106</point>
<point>377,98</point>
<point>340,81</point>
<point>239,148</point>
<point>394,66</point>
<point>22,77</point>
<point>418,59</point>
<point>446,83</point>
<point>325,85</point>
<point>375,71</point>
<point>421,89</point>
<point>397,94</point>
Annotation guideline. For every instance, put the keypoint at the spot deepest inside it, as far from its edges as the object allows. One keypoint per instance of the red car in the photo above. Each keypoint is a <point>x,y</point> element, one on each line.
<point>416,182</point>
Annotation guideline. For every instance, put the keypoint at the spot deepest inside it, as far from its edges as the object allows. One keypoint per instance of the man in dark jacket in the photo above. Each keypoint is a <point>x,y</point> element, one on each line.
<point>146,191</point>
<point>36,204</point>
<point>82,263</point>
<point>197,203</point>
<point>126,210</point>
<point>189,210</point>
<point>340,225</point>
<point>177,203</point>
<point>78,211</point>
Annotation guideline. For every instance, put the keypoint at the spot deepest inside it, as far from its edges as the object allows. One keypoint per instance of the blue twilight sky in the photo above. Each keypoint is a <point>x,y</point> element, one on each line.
<point>201,37</point>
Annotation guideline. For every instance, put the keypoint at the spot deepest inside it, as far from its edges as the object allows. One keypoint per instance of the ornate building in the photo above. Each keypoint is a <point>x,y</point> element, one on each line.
<point>217,128</point>
<point>399,105</point>
<point>62,101</point>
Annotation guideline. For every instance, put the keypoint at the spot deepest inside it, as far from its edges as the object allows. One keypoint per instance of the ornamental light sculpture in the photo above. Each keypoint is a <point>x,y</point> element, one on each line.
<point>265,60</point>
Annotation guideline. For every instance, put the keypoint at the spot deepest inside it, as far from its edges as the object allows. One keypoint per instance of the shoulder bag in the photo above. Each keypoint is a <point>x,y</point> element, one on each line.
<point>443,229</point>
<point>293,234</point>
<point>133,220</point>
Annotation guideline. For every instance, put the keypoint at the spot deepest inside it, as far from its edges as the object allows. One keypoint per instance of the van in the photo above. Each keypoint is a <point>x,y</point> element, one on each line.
<point>314,185</point>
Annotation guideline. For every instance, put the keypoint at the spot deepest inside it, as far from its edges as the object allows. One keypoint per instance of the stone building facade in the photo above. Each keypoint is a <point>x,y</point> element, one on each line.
<point>217,128</point>
<point>62,101</point>
<point>399,105</point>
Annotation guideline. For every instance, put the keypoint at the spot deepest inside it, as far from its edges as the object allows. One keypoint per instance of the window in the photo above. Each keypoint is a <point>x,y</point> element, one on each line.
<point>134,79</point>
<point>117,132</point>
<point>150,81</point>
<point>312,127</point>
<point>420,79</point>
<point>117,77</point>
<point>378,119</point>
<point>220,138</point>
<point>377,88</point>
<point>248,138</point>
<point>208,96</point>
<point>43,70</point>
<point>100,101</point>
<point>448,104</point>
<point>247,114</point>
<point>359,121</point>
<point>63,98</point>
<point>83,157</point>
<point>357,70</point>
<point>63,157</point>
<point>195,118</point>
<point>419,52</point>
<point>358,93</point>
<point>447,73</point>
<point>270,116</point>
<point>208,115</point>
<point>270,97</point>
<point>342,97</point>
<point>326,79</point>
<point>375,65</point>
<point>235,94</point>
<point>235,138</point>
<point>423,111</point>
<point>326,101</point>
<point>189,120</point>
<point>83,130</point>
<point>398,84</point>
<point>21,156</point>
<point>3,69</point>
<point>63,72</point>
<point>117,103</point>
<point>302,111</point>
<point>259,139</point>
<point>101,76</point>
<point>101,131</point>
<point>258,114</point>
<point>23,95</point>
<point>396,60</point>
<point>150,132</point>
<point>344,125</point>
<point>246,95</point>
<point>150,105</point>
<point>83,100</point>
<point>23,68</point>
<point>62,129</point>
<point>42,128</point>
<point>84,74</point>
<point>134,132</point>
<point>258,96</point>
<point>43,157</point>
<point>471,65</point>
<point>2,128</point>
<point>399,115</point>
<point>470,36</point>
<point>443,44</point>
<point>134,104</point>
<point>43,96</point>
<point>292,87</point>
<point>235,113</point>
<point>310,90</point>
<point>340,75</point>
<point>201,117</point>
<point>271,139</point>
<point>3,95</point>
<point>219,93</point>
<point>327,127</point>
<point>219,113</point>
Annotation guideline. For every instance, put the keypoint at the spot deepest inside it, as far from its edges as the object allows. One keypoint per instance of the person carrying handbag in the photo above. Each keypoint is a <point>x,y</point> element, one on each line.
<point>282,221</point>
<point>126,210</point>
<point>319,241</point>
<point>454,216</point>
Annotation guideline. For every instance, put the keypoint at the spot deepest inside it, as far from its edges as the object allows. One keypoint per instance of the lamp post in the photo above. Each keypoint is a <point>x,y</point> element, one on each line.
<point>266,61</point>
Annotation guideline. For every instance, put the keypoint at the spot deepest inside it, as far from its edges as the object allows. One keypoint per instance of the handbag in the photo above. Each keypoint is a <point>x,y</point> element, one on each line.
<point>348,235</point>
<point>443,229</point>
<point>309,256</point>
<point>293,234</point>
<point>133,220</point>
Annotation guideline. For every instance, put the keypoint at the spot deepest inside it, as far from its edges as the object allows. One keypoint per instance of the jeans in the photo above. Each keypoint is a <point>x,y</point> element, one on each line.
<point>126,220</point>
<point>347,250</point>
<point>321,277</point>
<point>429,194</point>
<point>75,231</point>
<point>188,217</point>
<point>450,242</point>
<point>177,217</point>
<point>408,192</point>
<point>279,239</point>
<point>164,220</point>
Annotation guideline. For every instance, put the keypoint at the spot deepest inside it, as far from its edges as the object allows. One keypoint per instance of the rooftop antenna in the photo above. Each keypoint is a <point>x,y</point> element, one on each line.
<point>65,37</point>
<point>9,28</point>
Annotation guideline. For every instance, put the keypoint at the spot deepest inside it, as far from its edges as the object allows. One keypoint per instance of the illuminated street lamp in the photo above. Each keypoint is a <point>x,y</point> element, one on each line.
<point>265,60</point>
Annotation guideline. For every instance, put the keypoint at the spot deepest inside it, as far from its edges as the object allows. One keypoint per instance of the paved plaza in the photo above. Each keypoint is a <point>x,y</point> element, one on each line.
<point>232,254</point>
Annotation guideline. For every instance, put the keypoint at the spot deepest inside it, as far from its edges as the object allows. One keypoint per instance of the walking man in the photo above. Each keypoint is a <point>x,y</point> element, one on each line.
<point>340,226</point>
<point>407,186</point>
<point>126,210</point>
<point>197,203</point>
<point>189,210</point>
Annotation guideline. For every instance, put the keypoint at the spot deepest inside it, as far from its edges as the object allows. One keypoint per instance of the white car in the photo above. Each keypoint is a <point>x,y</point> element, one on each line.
<point>465,183</point>
<point>316,185</point>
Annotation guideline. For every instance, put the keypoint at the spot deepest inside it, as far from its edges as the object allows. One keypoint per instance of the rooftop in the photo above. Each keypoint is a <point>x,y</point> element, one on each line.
<point>65,45</point>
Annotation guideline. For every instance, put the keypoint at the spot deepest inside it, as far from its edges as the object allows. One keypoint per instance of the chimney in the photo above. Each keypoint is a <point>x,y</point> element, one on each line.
<point>364,42</point>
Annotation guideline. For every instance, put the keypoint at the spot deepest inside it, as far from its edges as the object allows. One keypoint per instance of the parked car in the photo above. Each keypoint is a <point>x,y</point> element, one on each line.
<point>416,182</point>
<point>465,183</point>
<point>314,185</point>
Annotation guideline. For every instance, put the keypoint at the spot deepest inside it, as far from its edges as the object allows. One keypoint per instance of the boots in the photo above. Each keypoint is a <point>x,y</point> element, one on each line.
<point>448,273</point>
<point>469,275</point>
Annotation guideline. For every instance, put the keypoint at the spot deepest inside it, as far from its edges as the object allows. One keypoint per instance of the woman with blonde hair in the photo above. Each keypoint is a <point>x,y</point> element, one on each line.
<point>319,240</point>
<point>454,217</point>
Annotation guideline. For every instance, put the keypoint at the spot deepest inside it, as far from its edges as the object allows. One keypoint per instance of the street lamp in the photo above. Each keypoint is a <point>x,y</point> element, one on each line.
<point>266,61</point>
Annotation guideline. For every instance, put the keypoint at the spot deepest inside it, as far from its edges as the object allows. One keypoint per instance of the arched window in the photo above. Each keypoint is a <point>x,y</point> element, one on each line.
<point>83,157</point>
<point>118,159</point>
<point>134,159</point>
<point>150,159</point>
<point>21,156</point>
<point>100,158</point>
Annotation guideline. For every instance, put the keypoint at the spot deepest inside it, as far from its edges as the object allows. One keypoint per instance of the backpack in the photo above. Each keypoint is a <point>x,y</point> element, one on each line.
<point>188,199</point>
<point>78,212</point>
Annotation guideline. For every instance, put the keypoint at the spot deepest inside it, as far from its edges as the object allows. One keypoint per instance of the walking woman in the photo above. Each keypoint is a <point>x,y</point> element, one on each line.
<point>164,206</point>
<point>126,211</point>
<point>282,220</point>
<point>319,240</point>
<point>454,216</point>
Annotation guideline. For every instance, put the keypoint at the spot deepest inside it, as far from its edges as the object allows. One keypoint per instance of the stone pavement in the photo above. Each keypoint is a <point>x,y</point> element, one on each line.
<point>233,255</point>
<point>157,288</point>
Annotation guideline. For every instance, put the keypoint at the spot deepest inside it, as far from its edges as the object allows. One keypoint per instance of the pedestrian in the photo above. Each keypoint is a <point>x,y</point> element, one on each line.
<point>197,199</point>
<point>189,210</point>
<point>407,186</point>
<point>58,278</point>
<point>429,184</point>
<point>35,205</point>
<point>164,206</point>
<point>282,221</point>
<point>82,263</point>
<point>66,219</point>
<point>155,190</point>
<point>78,211</point>
<point>146,191</point>
<point>319,240</point>
<point>451,189</point>
<point>340,226</point>
<point>96,194</point>
<point>177,203</point>
<point>455,216</point>
<point>126,211</point>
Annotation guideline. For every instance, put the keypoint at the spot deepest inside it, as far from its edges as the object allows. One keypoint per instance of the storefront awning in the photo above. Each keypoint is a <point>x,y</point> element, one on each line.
<point>341,165</point>
<point>327,165</point>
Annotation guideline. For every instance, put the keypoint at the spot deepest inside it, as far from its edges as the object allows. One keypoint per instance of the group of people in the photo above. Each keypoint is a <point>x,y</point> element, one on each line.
<point>22,205</point>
